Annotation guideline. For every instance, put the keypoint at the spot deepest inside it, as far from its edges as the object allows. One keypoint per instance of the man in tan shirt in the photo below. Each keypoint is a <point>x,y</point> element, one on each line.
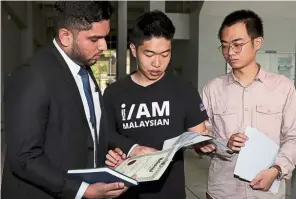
<point>248,96</point>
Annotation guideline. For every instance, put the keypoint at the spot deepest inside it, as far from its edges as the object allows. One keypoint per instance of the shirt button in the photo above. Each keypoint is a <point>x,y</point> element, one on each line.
<point>246,90</point>
<point>246,109</point>
<point>268,110</point>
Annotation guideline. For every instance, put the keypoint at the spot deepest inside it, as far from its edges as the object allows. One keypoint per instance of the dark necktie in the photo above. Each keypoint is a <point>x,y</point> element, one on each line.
<point>87,91</point>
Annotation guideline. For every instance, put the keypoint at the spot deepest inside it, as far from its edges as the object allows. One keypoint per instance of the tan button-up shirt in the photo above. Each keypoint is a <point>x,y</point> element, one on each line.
<point>268,104</point>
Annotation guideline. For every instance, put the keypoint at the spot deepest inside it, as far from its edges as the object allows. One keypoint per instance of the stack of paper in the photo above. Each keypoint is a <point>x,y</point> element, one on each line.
<point>258,154</point>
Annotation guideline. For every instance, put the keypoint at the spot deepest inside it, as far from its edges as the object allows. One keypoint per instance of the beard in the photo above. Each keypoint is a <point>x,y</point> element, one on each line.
<point>77,56</point>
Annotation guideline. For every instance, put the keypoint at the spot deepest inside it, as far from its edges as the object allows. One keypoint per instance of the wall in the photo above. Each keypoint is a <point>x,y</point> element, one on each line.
<point>11,40</point>
<point>185,52</point>
<point>279,27</point>
<point>10,36</point>
<point>18,8</point>
<point>180,21</point>
<point>39,22</point>
<point>179,57</point>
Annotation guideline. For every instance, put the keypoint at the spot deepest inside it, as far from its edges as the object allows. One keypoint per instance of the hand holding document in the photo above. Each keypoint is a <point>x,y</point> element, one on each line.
<point>190,138</point>
<point>103,174</point>
<point>184,140</point>
<point>258,154</point>
<point>148,167</point>
<point>151,166</point>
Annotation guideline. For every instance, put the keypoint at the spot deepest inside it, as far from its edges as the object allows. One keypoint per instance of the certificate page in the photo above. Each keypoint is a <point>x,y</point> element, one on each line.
<point>147,167</point>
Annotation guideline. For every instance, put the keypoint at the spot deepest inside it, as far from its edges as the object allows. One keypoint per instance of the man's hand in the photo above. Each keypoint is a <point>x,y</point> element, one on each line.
<point>103,190</point>
<point>236,141</point>
<point>141,150</point>
<point>115,157</point>
<point>204,147</point>
<point>206,132</point>
<point>264,179</point>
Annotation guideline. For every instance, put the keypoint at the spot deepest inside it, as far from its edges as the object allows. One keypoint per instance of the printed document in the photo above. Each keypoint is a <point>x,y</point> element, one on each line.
<point>258,154</point>
<point>190,138</point>
<point>147,167</point>
<point>151,166</point>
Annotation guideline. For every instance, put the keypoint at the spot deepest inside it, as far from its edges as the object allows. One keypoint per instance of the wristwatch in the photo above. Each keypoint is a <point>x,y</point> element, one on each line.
<point>279,175</point>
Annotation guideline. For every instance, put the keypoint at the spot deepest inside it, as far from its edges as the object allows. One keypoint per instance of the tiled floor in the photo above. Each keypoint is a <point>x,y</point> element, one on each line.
<point>196,172</point>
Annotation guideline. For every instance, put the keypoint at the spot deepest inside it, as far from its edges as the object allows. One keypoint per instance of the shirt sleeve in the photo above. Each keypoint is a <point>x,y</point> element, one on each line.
<point>128,154</point>
<point>286,158</point>
<point>81,190</point>
<point>195,109</point>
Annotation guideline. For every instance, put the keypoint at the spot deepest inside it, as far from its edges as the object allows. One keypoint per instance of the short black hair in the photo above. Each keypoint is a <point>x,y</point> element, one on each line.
<point>253,22</point>
<point>152,24</point>
<point>79,15</point>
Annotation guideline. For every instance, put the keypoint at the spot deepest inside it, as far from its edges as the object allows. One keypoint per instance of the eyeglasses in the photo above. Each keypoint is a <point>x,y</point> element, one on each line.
<point>237,48</point>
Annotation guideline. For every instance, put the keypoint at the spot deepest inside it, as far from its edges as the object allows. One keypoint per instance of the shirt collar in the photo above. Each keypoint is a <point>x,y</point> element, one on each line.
<point>261,76</point>
<point>74,68</point>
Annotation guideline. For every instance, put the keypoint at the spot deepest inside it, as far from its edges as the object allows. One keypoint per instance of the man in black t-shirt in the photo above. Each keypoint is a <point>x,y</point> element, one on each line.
<point>151,105</point>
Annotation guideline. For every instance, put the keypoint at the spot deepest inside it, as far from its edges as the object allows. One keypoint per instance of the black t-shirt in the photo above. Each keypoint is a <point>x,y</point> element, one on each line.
<point>150,115</point>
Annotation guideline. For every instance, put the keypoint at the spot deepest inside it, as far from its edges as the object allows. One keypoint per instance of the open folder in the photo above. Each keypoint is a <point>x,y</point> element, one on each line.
<point>258,154</point>
<point>103,174</point>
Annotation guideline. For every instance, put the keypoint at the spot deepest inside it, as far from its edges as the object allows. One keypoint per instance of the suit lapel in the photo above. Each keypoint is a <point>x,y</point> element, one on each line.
<point>75,95</point>
<point>70,81</point>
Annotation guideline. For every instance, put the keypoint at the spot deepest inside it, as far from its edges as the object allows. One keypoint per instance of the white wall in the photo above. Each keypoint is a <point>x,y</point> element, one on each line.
<point>181,22</point>
<point>279,19</point>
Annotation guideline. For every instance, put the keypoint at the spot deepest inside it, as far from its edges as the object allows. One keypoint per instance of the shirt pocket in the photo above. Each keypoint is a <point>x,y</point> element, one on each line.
<point>269,119</point>
<point>225,121</point>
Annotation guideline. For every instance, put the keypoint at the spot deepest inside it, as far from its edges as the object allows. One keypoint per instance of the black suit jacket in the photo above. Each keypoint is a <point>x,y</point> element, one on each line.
<point>46,130</point>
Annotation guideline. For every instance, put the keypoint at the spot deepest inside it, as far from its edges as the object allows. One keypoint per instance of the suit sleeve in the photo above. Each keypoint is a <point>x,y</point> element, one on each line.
<point>116,140</point>
<point>26,115</point>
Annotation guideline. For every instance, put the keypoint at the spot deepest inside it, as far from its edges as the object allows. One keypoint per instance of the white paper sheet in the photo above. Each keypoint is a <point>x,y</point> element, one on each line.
<point>258,154</point>
<point>184,140</point>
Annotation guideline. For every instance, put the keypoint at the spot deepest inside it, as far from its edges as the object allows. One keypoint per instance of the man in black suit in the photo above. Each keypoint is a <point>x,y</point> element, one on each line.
<point>54,118</point>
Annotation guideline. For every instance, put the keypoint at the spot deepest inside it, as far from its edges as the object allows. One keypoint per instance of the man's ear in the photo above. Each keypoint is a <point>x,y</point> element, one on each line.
<point>258,42</point>
<point>133,49</point>
<point>65,37</point>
